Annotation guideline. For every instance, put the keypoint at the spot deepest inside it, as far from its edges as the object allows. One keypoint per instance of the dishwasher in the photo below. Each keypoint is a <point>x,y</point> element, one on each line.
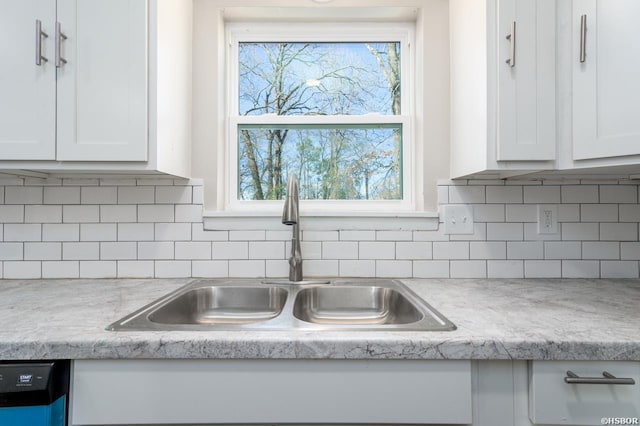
<point>34,393</point>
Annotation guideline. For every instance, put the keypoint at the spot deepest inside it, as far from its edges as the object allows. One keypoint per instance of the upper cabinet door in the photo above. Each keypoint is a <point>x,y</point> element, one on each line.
<point>526,80</point>
<point>27,89</point>
<point>606,78</point>
<point>102,88</point>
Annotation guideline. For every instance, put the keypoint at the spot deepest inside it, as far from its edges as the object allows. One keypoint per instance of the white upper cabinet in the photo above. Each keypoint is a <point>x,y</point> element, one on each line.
<point>606,78</point>
<point>102,88</point>
<point>112,92</point>
<point>502,87</point>
<point>526,80</point>
<point>27,80</point>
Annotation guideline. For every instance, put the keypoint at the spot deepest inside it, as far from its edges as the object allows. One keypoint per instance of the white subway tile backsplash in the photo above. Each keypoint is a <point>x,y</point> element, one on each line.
<point>468,269</point>
<point>618,194</point>
<point>172,269</point>
<point>98,232</point>
<point>579,194</point>
<point>339,250</point>
<point>210,268</point>
<point>135,268</point>
<point>599,212</point>
<point>23,195</point>
<point>11,251</point>
<point>173,195</point>
<point>504,194</point>
<point>135,232</point>
<point>80,251</point>
<point>12,213</point>
<point>542,194</point>
<point>487,250</point>
<point>81,214</point>
<point>152,250</point>
<point>542,269</point>
<point>98,269</point>
<point>193,250</point>
<point>42,251</point>
<point>156,213</point>
<point>359,235</point>
<point>618,231</point>
<point>357,268</point>
<point>117,213</point>
<point>136,195</point>
<point>22,270</point>
<point>22,232</point>
<point>525,250</point>
<point>118,250</point>
<point>431,269</point>
<point>62,195</point>
<point>98,228</point>
<point>450,250</point>
<point>505,269</point>
<point>562,250</point>
<point>61,269</point>
<point>467,195</point>
<point>505,231</point>
<point>580,231</point>
<point>173,232</point>
<point>98,195</point>
<point>266,250</point>
<point>489,212</point>
<point>230,250</point>
<point>247,268</point>
<point>415,250</point>
<point>377,250</point>
<point>394,268</point>
<point>600,250</point>
<point>38,213</point>
<point>580,269</point>
<point>247,235</point>
<point>618,269</point>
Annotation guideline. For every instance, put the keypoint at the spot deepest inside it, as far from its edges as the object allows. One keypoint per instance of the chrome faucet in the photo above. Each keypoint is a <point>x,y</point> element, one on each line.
<point>290,216</point>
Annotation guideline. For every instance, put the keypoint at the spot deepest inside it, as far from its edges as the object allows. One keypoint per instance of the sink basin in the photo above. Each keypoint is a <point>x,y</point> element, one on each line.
<point>222,305</point>
<point>354,305</point>
<point>362,305</point>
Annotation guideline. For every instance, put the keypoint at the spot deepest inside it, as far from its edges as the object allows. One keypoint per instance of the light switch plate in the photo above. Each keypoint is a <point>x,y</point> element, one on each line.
<point>458,219</point>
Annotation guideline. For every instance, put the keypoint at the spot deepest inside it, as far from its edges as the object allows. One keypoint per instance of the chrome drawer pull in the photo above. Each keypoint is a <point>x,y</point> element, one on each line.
<point>39,35</point>
<point>512,45</point>
<point>606,379</point>
<point>583,38</point>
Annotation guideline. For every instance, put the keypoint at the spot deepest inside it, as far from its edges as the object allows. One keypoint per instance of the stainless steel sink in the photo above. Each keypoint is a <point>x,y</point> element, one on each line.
<point>354,305</point>
<point>251,305</point>
<point>221,305</point>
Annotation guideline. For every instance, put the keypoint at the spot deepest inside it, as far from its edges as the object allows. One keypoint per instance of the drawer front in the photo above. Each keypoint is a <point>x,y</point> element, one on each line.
<point>553,401</point>
<point>270,391</point>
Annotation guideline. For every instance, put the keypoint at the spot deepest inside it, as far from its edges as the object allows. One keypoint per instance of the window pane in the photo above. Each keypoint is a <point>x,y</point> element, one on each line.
<point>319,78</point>
<point>332,162</point>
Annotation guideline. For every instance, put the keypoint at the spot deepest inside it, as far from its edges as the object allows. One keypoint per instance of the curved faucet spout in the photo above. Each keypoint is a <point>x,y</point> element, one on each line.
<point>290,216</point>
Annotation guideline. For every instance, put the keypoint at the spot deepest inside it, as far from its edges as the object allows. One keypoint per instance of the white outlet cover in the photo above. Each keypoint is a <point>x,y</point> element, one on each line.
<point>547,219</point>
<point>458,219</point>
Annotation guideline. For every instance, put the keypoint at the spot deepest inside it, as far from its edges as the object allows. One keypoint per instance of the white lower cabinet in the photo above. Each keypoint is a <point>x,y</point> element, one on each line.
<point>591,397</point>
<point>270,391</point>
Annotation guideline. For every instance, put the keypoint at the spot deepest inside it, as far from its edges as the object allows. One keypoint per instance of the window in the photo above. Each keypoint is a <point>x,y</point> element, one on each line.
<point>330,103</point>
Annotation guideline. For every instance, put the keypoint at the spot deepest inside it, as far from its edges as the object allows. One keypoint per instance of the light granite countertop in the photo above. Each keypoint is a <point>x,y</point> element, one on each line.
<point>496,319</point>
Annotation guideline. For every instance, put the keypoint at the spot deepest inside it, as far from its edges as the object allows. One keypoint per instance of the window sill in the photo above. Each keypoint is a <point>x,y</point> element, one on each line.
<point>322,221</point>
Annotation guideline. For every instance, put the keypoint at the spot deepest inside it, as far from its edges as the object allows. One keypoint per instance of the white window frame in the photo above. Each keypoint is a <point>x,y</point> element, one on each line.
<point>322,32</point>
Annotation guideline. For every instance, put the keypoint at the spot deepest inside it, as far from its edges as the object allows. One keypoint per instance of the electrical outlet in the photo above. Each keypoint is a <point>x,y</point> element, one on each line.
<point>458,219</point>
<point>547,219</point>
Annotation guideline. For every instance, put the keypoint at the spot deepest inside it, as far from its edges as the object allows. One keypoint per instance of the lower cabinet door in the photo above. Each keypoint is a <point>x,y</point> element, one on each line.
<point>584,392</point>
<point>270,391</point>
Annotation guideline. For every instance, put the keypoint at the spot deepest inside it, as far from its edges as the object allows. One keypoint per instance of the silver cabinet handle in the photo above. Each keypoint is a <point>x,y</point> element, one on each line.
<point>583,38</point>
<point>60,36</point>
<point>39,35</point>
<point>606,379</point>
<point>512,46</point>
